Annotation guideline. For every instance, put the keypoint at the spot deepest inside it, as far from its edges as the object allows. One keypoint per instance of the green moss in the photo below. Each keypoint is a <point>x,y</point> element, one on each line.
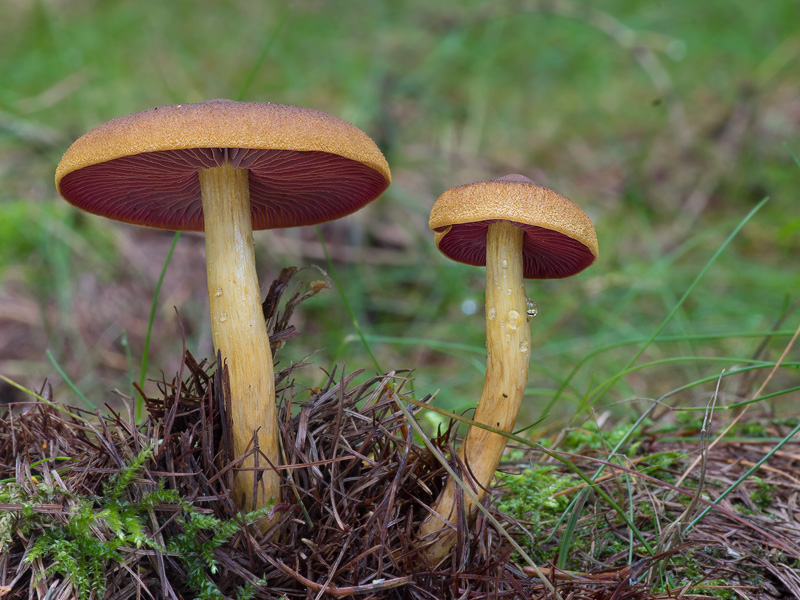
<point>530,497</point>
<point>22,520</point>
<point>98,531</point>
<point>761,494</point>
<point>694,567</point>
<point>588,436</point>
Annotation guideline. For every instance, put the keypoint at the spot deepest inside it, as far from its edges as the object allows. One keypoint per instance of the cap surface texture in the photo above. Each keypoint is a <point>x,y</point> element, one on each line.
<point>305,166</point>
<point>559,240</point>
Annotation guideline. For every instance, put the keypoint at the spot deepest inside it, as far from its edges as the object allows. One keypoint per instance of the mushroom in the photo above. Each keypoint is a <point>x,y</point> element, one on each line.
<point>517,229</point>
<point>228,168</point>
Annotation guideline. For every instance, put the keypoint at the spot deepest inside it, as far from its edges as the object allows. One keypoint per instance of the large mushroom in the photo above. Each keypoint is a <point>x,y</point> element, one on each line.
<point>518,230</point>
<point>227,168</point>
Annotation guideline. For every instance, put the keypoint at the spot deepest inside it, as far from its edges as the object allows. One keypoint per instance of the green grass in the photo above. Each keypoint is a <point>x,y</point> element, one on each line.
<point>667,154</point>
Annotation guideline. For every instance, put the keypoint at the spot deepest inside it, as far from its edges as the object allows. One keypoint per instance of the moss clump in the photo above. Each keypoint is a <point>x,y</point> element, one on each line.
<point>762,494</point>
<point>530,497</point>
<point>81,542</point>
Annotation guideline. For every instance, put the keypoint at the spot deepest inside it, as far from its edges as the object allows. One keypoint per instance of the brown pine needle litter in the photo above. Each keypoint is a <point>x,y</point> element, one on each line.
<point>96,506</point>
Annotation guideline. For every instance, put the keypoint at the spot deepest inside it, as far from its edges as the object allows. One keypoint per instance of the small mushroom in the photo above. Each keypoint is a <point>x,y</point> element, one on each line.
<point>227,168</point>
<point>517,229</point>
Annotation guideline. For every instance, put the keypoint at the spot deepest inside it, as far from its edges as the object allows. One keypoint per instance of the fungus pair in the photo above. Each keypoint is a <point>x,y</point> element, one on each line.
<point>227,168</point>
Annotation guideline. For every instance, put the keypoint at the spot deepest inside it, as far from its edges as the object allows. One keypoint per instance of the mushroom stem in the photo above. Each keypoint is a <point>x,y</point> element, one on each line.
<point>508,354</point>
<point>239,332</point>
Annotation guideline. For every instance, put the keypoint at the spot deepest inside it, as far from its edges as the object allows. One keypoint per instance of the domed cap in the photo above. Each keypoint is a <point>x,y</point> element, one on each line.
<point>306,166</point>
<point>559,240</point>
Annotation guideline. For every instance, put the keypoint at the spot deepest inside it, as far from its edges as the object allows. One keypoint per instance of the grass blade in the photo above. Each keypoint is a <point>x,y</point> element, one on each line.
<point>43,400</point>
<point>153,306</point>
<point>332,271</point>
<point>262,57</point>
<point>67,380</point>
<point>600,391</point>
<point>744,476</point>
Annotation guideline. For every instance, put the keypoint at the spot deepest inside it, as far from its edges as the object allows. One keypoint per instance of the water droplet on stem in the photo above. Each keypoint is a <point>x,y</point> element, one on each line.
<point>531,307</point>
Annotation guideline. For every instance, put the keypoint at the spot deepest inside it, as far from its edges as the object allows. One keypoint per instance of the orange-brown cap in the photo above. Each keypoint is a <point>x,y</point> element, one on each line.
<point>559,240</point>
<point>305,166</point>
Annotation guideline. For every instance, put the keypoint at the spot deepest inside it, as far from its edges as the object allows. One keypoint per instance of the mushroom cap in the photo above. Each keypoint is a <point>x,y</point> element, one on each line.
<point>306,166</point>
<point>559,240</point>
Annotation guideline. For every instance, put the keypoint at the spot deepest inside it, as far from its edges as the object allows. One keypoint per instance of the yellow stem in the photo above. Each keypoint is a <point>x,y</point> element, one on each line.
<point>508,340</point>
<point>239,331</point>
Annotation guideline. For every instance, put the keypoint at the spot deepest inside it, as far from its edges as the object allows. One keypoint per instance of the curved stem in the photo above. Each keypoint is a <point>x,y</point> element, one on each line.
<point>239,331</point>
<point>507,360</point>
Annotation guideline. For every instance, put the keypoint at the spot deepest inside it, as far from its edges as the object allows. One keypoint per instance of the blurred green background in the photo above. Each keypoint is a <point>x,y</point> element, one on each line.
<point>667,122</point>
